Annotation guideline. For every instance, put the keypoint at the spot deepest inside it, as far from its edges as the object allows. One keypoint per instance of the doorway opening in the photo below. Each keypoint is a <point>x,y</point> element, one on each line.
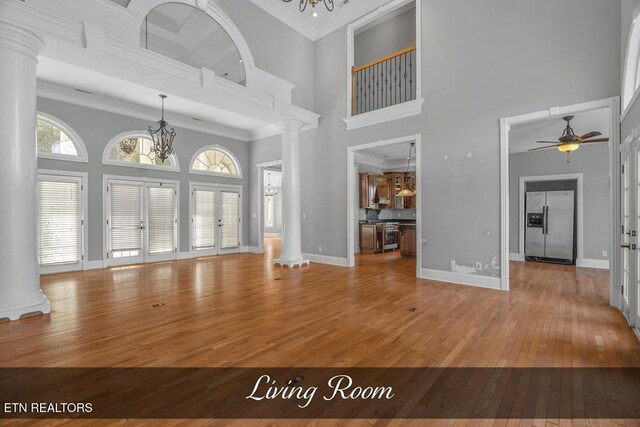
<point>270,217</point>
<point>384,204</point>
<point>558,203</point>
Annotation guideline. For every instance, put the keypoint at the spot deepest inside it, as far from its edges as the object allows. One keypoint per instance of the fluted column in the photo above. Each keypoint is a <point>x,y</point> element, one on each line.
<point>20,291</point>
<point>291,248</point>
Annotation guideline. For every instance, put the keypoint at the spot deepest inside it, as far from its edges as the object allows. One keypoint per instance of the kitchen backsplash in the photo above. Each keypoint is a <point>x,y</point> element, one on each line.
<point>369,214</point>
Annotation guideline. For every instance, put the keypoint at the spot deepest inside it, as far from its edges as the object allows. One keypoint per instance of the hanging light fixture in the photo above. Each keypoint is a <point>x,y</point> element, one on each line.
<point>304,3</point>
<point>270,192</point>
<point>408,189</point>
<point>162,137</point>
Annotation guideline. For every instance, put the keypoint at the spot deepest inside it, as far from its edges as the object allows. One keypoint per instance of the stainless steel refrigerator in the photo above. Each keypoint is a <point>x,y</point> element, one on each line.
<point>549,224</point>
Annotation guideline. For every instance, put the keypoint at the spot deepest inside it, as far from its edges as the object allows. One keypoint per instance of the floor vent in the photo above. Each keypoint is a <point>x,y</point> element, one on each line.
<point>413,309</point>
<point>160,304</point>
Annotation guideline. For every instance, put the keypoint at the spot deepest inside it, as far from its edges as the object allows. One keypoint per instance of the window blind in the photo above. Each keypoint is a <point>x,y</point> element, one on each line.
<point>125,219</point>
<point>59,223</point>
<point>230,215</point>
<point>161,219</point>
<point>204,219</point>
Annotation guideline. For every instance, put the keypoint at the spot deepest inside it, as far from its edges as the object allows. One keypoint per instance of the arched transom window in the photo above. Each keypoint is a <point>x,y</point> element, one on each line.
<point>215,161</point>
<point>136,150</point>
<point>56,140</point>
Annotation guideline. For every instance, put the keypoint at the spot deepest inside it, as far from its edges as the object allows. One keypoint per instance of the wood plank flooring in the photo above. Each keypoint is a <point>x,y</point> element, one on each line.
<point>240,311</point>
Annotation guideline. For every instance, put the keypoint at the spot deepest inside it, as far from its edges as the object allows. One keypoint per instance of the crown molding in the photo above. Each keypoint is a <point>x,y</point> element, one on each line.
<point>69,95</point>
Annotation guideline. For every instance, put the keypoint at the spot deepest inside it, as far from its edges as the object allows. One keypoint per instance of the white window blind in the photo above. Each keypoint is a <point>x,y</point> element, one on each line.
<point>161,219</point>
<point>125,220</point>
<point>204,219</point>
<point>59,223</point>
<point>230,215</point>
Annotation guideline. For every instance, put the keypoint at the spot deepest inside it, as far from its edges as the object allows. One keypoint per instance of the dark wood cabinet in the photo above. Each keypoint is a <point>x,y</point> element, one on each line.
<point>375,191</point>
<point>408,240</point>
<point>397,183</point>
<point>364,191</point>
<point>371,236</point>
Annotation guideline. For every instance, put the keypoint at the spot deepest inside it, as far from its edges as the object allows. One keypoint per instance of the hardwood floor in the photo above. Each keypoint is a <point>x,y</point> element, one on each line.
<point>241,311</point>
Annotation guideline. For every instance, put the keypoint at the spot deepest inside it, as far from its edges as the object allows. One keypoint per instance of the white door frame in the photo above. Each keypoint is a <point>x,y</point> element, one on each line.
<point>145,258</point>
<point>579,214</point>
<point>613,104</point>
<point>352,195</point>
<point>261,168</point>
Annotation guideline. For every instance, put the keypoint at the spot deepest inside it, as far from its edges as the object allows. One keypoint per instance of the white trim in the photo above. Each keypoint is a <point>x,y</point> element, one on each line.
<point>630,87</point>
<point>329,260</point>
<point>352,196</point>
<point>461,278</point>
<point>82,156</point>
<point>175,164</point>
<point>516,257</point>
<point>83,179</point>
<point>227,152</point>
<point>260,214</point>
<point>387,114</point>
<point>579,177</point>
<point>593,263</point>
<point>415,106</point>
<point>613,104</point>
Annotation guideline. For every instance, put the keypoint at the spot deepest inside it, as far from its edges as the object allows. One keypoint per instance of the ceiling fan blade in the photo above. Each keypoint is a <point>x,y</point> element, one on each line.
<point>590,135</point>
<point>544,148</point>
<point>548,142</point>
<point>595,140</point>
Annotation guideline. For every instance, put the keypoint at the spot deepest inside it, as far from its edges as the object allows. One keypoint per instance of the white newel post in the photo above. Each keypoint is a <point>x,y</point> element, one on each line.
<point>20,291</point>
<point>291,249</point>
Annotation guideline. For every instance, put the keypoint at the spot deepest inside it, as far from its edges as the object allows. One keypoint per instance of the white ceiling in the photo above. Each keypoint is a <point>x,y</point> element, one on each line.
<point>389,152</point>
<point>523,137</point>
<point>190,36</point>
<point>326,22</point>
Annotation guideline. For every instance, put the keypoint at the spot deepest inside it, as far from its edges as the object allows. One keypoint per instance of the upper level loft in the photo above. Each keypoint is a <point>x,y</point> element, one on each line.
<point>384,80</point>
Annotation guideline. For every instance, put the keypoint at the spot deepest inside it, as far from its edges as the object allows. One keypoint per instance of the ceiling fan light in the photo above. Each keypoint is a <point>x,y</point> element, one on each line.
<point>568,148</point>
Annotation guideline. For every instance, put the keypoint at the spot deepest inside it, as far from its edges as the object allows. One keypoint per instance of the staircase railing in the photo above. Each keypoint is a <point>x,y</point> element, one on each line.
<point>385,82</point>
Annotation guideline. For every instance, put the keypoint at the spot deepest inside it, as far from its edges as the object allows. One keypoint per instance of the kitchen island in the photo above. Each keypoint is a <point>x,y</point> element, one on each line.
<point>408,239</point>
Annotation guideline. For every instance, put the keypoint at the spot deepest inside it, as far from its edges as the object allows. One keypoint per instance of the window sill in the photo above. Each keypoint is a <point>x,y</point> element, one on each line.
<point>395,112</point>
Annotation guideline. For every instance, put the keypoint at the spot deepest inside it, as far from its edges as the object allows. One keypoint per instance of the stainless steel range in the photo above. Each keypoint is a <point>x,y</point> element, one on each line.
<point>390,236</point>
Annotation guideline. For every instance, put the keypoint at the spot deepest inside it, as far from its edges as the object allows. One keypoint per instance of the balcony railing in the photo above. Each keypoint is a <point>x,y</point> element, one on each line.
<point>388,81</point>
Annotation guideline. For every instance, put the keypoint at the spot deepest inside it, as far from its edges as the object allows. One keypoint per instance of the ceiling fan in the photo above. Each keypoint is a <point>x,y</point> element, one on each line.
<point>569,141</point>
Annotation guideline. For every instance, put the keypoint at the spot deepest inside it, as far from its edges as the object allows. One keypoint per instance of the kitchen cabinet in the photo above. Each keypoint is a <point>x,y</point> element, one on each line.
<point>371,238</point>
<point>375,191</point>
<point>397,183</point>
<point>364,191</point>
<point>408,240</point>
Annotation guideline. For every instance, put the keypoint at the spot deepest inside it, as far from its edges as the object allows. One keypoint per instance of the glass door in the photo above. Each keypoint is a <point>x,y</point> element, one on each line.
<point>161,222</point>
<point>125,223</point>
<point>215,220</point>
<point>229,221</point>
<point>630,212</point>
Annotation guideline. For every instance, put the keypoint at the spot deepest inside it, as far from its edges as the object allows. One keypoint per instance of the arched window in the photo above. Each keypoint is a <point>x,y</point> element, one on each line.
<point>215,160</point>
<point>135,149</point>
<point>631,79</point>
<point>56,140</point>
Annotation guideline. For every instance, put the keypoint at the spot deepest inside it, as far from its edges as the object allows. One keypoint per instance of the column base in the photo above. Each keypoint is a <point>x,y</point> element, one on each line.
<point>291,263</point>
<point>13,311</point>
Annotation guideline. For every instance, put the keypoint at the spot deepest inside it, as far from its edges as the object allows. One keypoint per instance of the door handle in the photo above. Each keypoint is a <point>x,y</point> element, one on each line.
<point>628,246</point>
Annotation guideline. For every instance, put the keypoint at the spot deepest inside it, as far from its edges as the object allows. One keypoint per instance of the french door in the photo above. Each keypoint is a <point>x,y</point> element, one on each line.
<point>215,220</point>
<point>142,222</point>
<point>630,210</point>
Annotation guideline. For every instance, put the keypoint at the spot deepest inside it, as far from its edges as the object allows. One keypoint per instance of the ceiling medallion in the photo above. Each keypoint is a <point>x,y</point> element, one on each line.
<point>162,137</point>
<point>304,3</point>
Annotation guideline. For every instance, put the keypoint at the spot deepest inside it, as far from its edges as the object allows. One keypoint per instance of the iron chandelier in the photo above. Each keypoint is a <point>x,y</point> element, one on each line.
<point>304,3</point>
<point>162,137</point>
<point>270,191</point>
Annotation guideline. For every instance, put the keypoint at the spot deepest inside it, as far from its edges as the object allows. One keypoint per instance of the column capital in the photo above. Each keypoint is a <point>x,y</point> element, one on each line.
<point>291,125</point>
<point>18,39</point>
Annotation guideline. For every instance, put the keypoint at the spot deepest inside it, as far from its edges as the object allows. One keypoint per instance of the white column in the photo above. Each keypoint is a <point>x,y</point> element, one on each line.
<point>291,248</point>
<point>20,291</point>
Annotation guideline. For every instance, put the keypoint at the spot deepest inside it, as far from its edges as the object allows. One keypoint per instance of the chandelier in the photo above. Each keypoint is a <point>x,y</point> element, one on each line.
<point>270,192</point>
<point>304,3</point>
<point>162,137</point>
<point>409,189</point>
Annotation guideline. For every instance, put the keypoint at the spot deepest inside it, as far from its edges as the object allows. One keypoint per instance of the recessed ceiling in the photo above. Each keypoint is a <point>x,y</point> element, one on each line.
<point>523,137</point>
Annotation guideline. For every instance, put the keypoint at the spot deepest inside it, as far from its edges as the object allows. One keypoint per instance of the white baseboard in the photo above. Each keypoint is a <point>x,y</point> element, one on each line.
<point>516,257</point>
<point>593,263</point>
<point>461,278</point>
<point>323,259</point>
<point>253,250</point>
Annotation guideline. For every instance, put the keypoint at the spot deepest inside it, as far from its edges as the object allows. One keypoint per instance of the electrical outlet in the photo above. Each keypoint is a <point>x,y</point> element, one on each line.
<point>304,216</point>
<point>319,248</point>
<point>453,264</point>
<point>605,253</point>
<point>398,214</point>
<point>478,266</point>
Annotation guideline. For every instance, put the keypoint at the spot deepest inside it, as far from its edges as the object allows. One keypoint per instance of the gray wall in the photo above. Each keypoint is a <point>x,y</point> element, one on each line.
<point>632,119</point>
<point>97,128</point>
<point>482,61</point>
<point>386,38</point>
<point>592,162</point>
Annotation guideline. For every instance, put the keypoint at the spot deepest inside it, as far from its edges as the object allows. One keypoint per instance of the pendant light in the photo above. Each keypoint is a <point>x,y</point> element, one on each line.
<point>270,192</point>
<point>162,137</point>
<point>408,187</point>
